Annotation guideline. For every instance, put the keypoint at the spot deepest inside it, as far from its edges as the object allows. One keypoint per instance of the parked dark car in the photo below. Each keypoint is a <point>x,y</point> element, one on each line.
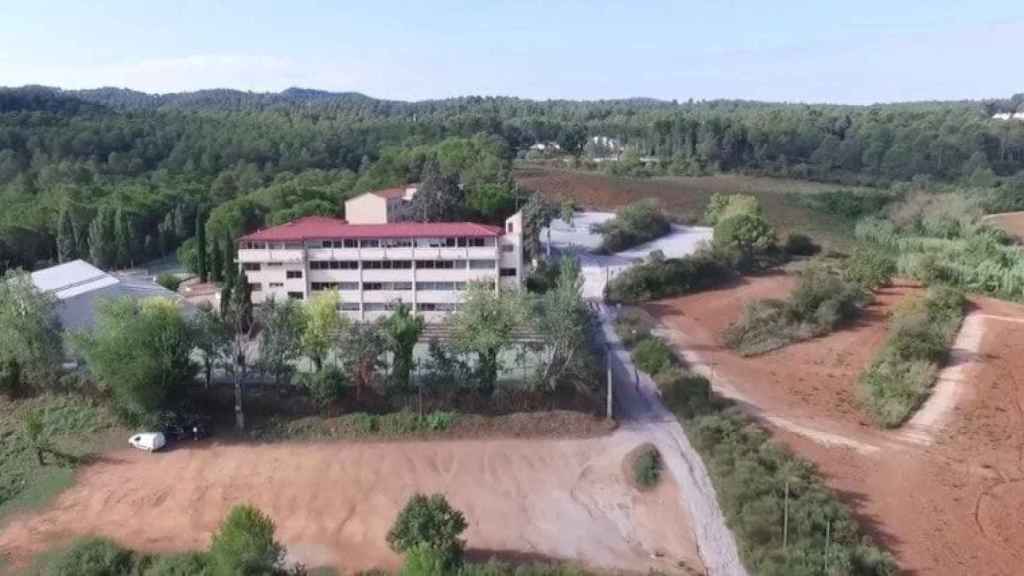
<point>181,427</point>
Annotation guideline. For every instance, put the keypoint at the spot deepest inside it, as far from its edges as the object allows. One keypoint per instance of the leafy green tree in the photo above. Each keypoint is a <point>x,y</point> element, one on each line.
<point>403,329</point>
<point>245,545</point>
<point>281,328</point>
<point>745,235</point>
<point>564,320</point>
<point>123,239</point>
<point>141,352</point>
<point>236,311</point>
<point>321,326</point>
<point>432,522</point>
<point>362,347</point>
<point>31,347</point>
<point>439,197</point>
<point>484,326</point>
<point>212,339</point>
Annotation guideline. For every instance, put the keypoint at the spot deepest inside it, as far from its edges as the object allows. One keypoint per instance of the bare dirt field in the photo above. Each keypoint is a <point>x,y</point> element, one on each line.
<point>333,503</point>
<point>687,197</point>
<point>1011,222</point>
<point>950,507</point>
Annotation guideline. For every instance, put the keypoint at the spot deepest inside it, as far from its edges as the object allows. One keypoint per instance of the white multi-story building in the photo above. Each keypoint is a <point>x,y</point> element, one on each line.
<point>375,266</point>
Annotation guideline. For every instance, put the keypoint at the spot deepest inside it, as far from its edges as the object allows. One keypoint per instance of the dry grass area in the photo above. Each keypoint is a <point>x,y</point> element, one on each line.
<point>685,198</point>
<point>951,507</point>
<point>334,502</point>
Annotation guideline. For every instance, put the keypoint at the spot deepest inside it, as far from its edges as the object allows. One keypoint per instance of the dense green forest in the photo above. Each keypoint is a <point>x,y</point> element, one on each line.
<point>119,177</point>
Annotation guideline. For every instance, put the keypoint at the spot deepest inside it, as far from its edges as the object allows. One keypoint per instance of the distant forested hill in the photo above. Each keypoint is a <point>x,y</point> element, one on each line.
<point>83,169</point>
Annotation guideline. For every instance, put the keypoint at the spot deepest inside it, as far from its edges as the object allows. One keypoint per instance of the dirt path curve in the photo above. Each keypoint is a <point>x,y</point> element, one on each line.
<point>333,503</point>
<point>640,410</point>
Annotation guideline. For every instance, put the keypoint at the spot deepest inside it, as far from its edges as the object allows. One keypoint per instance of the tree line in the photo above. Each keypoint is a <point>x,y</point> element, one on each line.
<point>104,174</point>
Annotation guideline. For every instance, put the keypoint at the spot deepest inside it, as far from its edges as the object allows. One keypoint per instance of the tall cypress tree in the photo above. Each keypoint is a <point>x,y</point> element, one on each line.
<point>122,240</point>
<point>215,264</point>
<point>201,246</point>
<point>67,248</point>
<point>230,266</point>
<point>101,239</point>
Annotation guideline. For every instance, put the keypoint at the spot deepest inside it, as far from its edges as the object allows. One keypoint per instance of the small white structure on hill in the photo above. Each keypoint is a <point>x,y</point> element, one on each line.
<point>1009,116</point>
<point>78,286</point>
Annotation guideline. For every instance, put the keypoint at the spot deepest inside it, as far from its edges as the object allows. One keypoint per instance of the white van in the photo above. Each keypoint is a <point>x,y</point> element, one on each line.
<point>148,441</point>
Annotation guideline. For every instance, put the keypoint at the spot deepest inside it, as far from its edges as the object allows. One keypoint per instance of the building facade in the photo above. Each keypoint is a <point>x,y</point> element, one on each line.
<point>374,266</point>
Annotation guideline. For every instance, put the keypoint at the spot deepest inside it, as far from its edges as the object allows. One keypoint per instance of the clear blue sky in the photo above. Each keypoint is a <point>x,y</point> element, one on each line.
<point>824,50</point>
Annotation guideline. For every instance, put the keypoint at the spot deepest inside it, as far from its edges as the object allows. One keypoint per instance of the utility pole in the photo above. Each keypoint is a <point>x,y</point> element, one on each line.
<point>608,363</point>
<point>785,519</point>
<point>828,541</point>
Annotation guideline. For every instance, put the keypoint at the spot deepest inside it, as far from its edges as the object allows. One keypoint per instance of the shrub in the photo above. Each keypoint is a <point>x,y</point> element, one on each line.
<point>185,564</point>
<point>744,237</point>
<point>633,325</point>
<point>439,421</point>
<point>245,544</point>
<point>326,386</point>
<point>901,376</point>
<point>870,268</point>
<point>633,224</point>
<point>800,245</point>
<point>169,281</point>
<point>652,355</point>
<point>422,560</point>
<point>671,277</point>
<point>93,557</point>
<point>646,467</point>
<point>821,302</point>
<point>723,206</point>
<point>431,522</point>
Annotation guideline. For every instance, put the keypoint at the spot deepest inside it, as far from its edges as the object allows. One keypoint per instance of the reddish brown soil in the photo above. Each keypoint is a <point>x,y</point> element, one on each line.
<point>1011,222</point>
<point>686,198</point>
<point>334,502</point>
<point>954,507</point>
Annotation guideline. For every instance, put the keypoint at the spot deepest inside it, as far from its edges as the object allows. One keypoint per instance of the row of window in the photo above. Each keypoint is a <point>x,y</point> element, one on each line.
<point>405,243</point>
<point>351,286</point>
<point>382,265</point>
<point>388,306</point>
<point>457,242</point>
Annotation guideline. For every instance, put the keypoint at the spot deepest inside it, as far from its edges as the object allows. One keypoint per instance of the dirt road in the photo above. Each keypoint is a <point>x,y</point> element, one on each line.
<point>945,495</point>
<point>639,408</point>
<point>333,503</point>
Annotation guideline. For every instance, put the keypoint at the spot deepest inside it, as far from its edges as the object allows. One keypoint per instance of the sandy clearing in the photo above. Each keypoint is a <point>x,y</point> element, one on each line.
<point>334,502</point>
<point>1010,222</point>
<point>951,506</point>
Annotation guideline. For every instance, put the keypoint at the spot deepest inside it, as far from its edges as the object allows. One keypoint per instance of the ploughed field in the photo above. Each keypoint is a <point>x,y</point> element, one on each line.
<point>333,503</point>
<point>686,197</point>
<point>951,506</point>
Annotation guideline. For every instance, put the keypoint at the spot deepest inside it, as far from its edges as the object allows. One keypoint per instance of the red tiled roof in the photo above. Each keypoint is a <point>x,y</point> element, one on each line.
<point>321,228</point>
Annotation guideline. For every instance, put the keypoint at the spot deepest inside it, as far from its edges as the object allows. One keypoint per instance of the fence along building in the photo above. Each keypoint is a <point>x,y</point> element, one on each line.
<point>375,265</point>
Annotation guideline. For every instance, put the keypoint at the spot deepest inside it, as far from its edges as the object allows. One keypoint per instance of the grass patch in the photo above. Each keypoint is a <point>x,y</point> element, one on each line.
<point>751,474</point>
<point>903,373</point>
<point>74,429</point>
<point>357,426</point>
<point>821,302</point>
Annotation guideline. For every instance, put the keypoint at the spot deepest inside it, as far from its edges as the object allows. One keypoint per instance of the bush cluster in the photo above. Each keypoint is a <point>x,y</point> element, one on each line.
<point>901,376</point>
<point>646,467</point>
<point>633,225</point>
<point>821,302</point>
<point>661,278</point>
<point>244,544</point>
